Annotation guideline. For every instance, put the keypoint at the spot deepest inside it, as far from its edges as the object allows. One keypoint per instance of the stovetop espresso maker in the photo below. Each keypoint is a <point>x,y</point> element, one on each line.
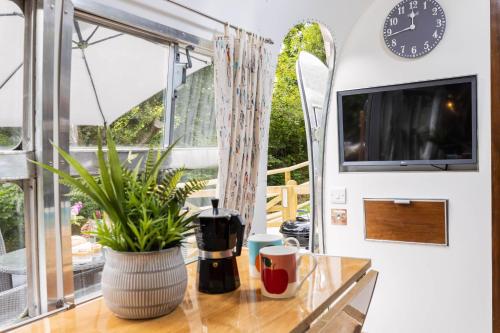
<point>219,234</point>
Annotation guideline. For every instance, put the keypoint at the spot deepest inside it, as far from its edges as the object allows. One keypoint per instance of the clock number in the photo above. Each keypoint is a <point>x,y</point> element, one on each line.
<point>426,45</point>
<point>434,11</point>
<point>389,32</point>
<point>394,21</point>
<point>403,49</point>
<point>401,10</point>
<point>435,34</point>
<point>394,43</point>
<point>439,23</point>
<point>413,49</point>
<point>425,5</point>
<point>413,5</point>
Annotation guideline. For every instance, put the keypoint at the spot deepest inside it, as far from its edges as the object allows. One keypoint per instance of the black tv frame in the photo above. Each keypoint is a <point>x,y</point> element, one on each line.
<point>384,165</point>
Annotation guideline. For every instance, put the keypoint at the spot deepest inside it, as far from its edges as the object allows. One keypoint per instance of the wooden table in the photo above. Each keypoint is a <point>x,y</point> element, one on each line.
<point>243,310</point>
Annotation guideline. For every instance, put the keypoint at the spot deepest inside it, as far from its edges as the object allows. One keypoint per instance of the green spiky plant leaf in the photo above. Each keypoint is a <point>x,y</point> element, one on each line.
<point>143,204</point>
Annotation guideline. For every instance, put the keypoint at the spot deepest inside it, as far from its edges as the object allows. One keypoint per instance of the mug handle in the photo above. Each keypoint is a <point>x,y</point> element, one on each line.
<point>315,264</point>
<point>292,240</point>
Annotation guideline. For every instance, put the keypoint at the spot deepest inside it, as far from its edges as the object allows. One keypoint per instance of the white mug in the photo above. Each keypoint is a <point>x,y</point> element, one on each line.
<point>280,271</point>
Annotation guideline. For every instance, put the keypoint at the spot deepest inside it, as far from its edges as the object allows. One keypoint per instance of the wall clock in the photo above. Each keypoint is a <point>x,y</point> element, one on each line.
<point>414,28</point>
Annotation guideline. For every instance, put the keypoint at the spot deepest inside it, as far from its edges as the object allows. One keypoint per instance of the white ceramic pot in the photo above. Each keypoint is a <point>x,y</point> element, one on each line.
<point>144,285</point>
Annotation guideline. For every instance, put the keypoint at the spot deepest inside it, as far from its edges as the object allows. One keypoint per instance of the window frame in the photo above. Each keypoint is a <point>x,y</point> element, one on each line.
<point>14,165</point>
<point>46,107</point>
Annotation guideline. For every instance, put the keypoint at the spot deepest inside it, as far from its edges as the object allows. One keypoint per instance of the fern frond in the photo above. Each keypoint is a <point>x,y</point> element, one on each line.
<point>190,187</point>
<point>169,183</point>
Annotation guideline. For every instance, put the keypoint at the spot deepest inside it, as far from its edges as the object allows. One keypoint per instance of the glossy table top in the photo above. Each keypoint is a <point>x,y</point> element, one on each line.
<point>243,310</point>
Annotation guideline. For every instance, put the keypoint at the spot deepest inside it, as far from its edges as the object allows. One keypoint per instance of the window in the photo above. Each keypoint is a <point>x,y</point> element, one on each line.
<point>194,128</point>
<point>13,278</point>
<point>194,121</point>
<point>11,216</point>
<point>88,259</point>
<point>13,258</point>
<point>11,74</point>
<point>194,125</point>
<point>117,80</point>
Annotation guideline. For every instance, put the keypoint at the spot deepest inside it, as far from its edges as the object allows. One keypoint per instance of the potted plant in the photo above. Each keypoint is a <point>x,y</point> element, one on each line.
<point>144,275</point>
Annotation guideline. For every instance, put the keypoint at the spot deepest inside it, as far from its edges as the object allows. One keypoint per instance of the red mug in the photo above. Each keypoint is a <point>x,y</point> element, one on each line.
<point>279,274</point>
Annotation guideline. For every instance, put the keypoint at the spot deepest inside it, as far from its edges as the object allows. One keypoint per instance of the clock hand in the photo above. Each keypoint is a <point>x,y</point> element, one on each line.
<point>412,26</point>
<point>412,16</point>
<point>400,31</point>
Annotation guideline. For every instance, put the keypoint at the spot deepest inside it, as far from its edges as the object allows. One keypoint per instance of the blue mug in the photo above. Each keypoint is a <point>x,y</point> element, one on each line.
<point>257,242</point>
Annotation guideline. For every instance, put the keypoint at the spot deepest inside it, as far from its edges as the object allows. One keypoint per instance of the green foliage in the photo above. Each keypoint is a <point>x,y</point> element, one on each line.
<point>89,206</point>
<point>287,136</point>
<point>142,125</point>
<point>12,216</point>
<point>202,174</point>
<point>194,119</point>
<point>10,137</point>
<point>143,207</point>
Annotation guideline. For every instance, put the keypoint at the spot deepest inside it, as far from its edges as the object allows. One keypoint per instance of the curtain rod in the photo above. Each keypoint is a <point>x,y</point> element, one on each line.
<point>267,40</point>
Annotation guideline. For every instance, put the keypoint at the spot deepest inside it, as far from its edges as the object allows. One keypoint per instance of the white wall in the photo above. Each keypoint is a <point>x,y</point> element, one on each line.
<point>421,288</point>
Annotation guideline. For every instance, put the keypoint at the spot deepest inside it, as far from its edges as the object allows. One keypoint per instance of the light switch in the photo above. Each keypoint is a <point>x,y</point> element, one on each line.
<point>338,195</point>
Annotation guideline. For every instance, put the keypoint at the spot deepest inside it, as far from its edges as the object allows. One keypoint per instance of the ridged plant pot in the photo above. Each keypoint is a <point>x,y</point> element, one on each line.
<point>143,285</point>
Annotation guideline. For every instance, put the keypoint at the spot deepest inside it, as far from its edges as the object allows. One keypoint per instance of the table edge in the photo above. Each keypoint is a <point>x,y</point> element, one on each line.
<point>304,325</point>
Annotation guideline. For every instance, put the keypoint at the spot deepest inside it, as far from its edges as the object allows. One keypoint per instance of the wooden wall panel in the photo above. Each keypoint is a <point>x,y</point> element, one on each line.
<point>495,158</point>
<point>416,221</point>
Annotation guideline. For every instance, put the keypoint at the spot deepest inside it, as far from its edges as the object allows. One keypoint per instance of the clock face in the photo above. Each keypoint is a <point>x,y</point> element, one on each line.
<point>414,27</point>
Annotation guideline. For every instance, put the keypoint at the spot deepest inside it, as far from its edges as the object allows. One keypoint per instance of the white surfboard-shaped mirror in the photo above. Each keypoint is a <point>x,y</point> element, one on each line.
<point>312,76</point>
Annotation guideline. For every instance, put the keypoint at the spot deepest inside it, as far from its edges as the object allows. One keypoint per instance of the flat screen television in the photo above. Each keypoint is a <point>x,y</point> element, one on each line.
<point>426,123</point>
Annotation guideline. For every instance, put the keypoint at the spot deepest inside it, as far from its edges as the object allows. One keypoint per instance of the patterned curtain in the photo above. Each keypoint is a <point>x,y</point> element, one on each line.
<point>243,88</point>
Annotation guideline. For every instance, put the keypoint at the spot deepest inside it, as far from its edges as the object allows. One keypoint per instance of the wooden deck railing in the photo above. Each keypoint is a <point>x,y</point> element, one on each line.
<point>282,200</point>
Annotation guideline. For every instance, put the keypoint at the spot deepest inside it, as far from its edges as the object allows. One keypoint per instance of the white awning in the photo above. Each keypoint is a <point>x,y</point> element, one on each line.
<point>125,71</point>
<point>11,59</point>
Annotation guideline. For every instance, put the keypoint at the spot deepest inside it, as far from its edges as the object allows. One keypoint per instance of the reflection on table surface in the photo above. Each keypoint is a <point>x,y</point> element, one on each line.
<point>243,310</point>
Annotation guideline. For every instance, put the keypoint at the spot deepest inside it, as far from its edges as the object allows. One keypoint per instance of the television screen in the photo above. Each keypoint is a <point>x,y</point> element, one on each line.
<point>421,123</point>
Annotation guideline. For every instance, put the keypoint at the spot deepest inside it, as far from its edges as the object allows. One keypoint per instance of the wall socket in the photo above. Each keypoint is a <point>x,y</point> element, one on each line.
<point>339,216</point>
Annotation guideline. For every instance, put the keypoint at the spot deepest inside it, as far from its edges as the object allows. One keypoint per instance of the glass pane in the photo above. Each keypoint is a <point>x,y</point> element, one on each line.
<point>119,80</point>
<point>194,127</point>
<point>197,202</point>
<point>194,121</point>
<point>88,259</point>
<point>11,74</point>
<point>13,280</point>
